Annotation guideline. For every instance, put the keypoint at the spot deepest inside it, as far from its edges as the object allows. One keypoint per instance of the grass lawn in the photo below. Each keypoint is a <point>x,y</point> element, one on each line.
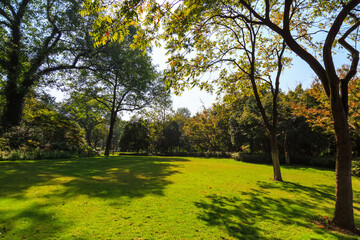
<point>133,197</point>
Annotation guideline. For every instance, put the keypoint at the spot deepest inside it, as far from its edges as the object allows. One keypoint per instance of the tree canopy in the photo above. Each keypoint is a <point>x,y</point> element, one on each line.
<point>37,38</point>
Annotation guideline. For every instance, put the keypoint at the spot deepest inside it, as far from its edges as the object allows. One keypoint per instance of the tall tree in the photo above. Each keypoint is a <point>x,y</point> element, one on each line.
<point>236,47</point>
<point>37,38</point>
<point>341,18</point>
<point>121,79</point>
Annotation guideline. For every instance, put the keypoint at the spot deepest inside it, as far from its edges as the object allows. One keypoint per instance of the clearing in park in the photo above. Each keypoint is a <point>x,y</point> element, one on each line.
<point>134,197</point>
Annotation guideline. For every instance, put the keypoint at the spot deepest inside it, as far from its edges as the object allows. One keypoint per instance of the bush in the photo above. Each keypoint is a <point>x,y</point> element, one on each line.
<point>252,157</point>
<point>42,154</point>
<point>355,171</point>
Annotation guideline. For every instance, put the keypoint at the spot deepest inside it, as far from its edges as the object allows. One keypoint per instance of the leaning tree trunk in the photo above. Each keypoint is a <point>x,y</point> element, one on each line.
<point>344,215</point>
<point>111,130</point>
<point>275,157</point>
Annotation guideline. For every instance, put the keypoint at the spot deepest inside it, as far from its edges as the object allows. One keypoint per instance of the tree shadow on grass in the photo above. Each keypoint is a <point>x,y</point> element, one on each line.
<point>113,178</point>
<point>32,222</point>
<point>100,177</point>
<point>245,216</point>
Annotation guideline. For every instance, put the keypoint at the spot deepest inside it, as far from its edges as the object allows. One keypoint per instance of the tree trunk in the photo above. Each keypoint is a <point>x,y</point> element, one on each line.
<point>88,136</point>
<point>344,215</point>
<point>275,157</point>
<point>286,151</point>
<point>111,130</point>
<point>15,102</point>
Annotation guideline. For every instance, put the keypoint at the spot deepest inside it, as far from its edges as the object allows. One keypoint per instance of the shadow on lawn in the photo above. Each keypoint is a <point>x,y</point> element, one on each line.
<point>239,215</point>
<point>117,178</point>
<point>33,222</point>
<point>111,177</point>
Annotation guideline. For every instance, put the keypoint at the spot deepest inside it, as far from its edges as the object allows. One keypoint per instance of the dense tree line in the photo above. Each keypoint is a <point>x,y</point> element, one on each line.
<point>234,124</point>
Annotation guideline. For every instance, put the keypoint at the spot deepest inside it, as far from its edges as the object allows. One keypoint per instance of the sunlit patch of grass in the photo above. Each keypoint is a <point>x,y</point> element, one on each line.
<point>134,197</point>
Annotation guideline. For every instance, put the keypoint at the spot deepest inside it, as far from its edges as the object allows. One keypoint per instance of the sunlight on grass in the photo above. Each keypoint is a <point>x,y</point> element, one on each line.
<point>131,197</point>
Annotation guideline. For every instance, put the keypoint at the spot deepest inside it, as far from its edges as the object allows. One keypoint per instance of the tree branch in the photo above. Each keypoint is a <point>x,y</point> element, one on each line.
<point>352,50</point>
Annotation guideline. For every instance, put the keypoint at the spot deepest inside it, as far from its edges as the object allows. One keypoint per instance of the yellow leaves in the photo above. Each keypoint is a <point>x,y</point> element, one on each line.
<point>84,13</point>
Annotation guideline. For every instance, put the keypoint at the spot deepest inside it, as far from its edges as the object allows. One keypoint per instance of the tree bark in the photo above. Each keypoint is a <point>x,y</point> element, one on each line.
<point>88,136</point>
<point>275,157</point>
<point>344,215</point>
<point>15,102</point>
<point>111,130</point>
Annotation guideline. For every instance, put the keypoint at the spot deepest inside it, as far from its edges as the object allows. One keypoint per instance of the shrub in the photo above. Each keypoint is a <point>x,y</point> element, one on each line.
<point>355,171</point>
<point>252,157</point>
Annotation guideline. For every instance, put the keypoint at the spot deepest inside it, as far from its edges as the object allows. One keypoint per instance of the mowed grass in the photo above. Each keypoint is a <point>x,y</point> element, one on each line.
<point>133,197</point>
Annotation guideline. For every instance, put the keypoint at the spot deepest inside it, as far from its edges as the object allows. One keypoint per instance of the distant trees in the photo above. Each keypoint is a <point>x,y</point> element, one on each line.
<point>209,130</point>
<point>135,137</point>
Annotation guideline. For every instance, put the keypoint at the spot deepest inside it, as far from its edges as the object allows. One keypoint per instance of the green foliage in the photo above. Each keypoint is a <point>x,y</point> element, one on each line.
<point>38,38</point>
<point>121,79</point>
<point>170,137</point>
<point>43,133</point>
<point>245,124</point>
<point>209,129</point>
<point>355,171</point>
<point>86,111</point>
<point>135,137</point>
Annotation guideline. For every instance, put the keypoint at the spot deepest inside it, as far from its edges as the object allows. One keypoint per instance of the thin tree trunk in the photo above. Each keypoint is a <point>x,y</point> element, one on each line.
<point>286,151</point>
<point>275,157</point>
<point>111,130</point>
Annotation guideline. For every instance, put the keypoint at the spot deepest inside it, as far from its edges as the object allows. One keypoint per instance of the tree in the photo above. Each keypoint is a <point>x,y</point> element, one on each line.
<point>171,136</point>
<point>342,20</point>
<point>135,136</point>
<point>157,116</point>
<point>121,79</point>
<point>236,47</point>
<point>181,116</point>
<point>245,124</point>
<point>300,136</point>
<point>208,130</point>
<point>37,39</point>
<point>313,105</point>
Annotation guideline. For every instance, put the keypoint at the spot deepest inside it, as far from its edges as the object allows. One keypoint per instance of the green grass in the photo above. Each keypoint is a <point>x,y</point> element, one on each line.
<point>134,197</point>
